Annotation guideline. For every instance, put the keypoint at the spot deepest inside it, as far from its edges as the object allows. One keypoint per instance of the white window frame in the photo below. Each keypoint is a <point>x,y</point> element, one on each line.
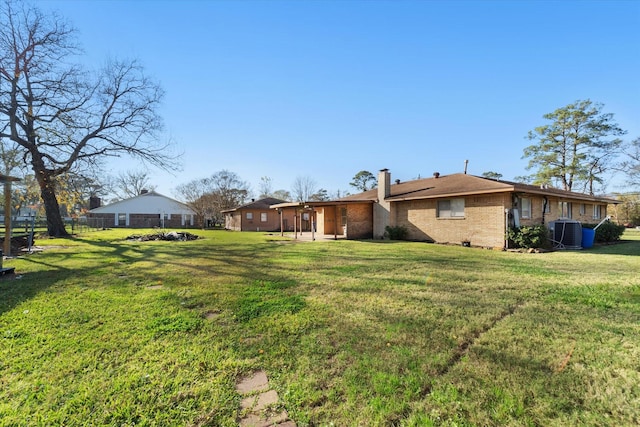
<point>564,209</point>
<point>597,211</point>
<point>450,208</point>
<point>525,207</point>
<point>249,215</point>
<point>583,208</point>
<point>263,217</point>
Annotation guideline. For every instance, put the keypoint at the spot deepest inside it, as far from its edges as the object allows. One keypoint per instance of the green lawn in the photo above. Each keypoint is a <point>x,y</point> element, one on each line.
<point>98,330</point>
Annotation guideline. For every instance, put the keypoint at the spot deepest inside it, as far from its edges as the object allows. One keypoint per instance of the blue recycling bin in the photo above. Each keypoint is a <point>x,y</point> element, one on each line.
<point>588,236</point>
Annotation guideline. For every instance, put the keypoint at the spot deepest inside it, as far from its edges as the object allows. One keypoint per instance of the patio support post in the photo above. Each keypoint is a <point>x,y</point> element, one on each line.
<point>313,225</point>
<point>335,222</point>
<point>7,218</point>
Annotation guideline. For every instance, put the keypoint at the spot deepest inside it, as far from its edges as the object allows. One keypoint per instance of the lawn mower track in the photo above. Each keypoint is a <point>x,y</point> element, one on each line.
<point>465,346</point>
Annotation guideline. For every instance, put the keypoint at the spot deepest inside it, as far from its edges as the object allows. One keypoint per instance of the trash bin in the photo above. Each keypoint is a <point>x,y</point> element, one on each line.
<point>588,236</point>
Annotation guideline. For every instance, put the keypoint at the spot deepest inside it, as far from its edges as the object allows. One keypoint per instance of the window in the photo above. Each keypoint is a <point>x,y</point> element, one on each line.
<point>122,219</point>
<point>564,209</point>
<point>597,212</point>
<point>452,208</point>
<point>525,205</point>
<point>263,217</point>
<point>583,209</point>
<point>249,215</point>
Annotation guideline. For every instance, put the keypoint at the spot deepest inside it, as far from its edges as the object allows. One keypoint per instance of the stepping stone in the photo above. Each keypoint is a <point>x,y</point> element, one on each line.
<point>259,398</point>
<point>265,399</point>
<point>257,382</point>
<point>253,420</point>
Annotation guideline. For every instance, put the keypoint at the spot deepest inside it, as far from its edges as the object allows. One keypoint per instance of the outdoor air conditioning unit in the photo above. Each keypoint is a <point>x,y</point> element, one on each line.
<point>566,234</point>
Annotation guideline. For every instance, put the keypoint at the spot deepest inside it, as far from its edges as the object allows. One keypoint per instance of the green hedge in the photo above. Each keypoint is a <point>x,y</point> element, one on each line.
<point>607,232</point>
<point>535,236</point>
<point>396,233</point>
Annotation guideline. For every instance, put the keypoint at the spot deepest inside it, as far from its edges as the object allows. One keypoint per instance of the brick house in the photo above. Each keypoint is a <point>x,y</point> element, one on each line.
<point>453,208</point>
<point>148,209</point>
<point>257,216</point>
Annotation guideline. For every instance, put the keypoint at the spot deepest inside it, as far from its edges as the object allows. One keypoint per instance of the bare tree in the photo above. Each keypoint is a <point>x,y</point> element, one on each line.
<point>229,191</point>
<point>131,183</point>
<point>63,118</point>
<point>208,197</point>
<point>195,194</point>
<point>266,186</point>
<point>303,188</point>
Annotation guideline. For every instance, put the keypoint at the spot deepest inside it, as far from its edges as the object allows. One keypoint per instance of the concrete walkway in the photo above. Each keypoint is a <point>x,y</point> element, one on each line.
<point>259,407</point>
<point>307,237</point>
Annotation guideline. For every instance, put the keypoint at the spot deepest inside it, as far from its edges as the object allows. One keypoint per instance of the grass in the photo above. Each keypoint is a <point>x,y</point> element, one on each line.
<point>98,330</point>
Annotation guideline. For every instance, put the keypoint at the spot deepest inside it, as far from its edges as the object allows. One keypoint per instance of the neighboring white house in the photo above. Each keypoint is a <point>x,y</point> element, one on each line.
<point>149,209</point>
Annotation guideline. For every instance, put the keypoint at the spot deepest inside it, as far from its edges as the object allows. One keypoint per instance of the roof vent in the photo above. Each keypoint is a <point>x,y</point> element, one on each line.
<point>397,181</point>
<point>144,191</point>
<point>436,174</point>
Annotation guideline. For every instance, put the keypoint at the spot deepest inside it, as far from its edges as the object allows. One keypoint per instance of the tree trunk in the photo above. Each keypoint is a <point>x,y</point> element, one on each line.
<point>55,224</point>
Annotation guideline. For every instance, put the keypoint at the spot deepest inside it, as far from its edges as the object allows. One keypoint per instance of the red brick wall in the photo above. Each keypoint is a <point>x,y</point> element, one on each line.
<point>237,221</point>
<point>359,221</point>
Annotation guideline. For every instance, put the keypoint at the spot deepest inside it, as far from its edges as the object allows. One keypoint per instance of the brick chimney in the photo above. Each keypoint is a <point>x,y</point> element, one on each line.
<point>382,208</point>
<point>94,202</point>
<point>384,184</point>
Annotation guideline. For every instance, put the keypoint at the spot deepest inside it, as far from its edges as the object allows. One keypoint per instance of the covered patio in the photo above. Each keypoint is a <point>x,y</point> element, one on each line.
<point>309,221</point>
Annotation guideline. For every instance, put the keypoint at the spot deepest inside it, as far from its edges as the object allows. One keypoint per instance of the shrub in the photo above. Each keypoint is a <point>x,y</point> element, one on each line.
<point>398,232</point>
<point>535,236</point>
<point>607,232</point>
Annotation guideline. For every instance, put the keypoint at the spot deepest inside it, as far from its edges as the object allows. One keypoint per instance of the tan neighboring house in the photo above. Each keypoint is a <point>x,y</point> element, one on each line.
<point>257,216</point>
<point>149,209</point>
<point>451,209</point>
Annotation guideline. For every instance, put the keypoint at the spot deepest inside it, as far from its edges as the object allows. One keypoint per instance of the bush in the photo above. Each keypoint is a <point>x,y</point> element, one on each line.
<point>535,236</point>
<point>398,232</point>
<point>607,232</point>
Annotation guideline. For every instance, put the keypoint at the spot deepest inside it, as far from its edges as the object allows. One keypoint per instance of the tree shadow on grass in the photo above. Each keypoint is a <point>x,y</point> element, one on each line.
<point>139,262</point>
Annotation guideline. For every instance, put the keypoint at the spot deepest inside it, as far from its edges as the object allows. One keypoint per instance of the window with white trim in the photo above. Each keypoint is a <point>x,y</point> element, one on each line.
<point>525,206</point>
<point>263,217</point>
<point>564,210</point>
<point>583,209</point>
<point>597,211</point>
<point>451,208</point>
<point>249,215</point>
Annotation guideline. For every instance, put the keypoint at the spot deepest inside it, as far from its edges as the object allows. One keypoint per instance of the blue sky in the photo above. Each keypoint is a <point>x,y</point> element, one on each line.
<point>324,89</point>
